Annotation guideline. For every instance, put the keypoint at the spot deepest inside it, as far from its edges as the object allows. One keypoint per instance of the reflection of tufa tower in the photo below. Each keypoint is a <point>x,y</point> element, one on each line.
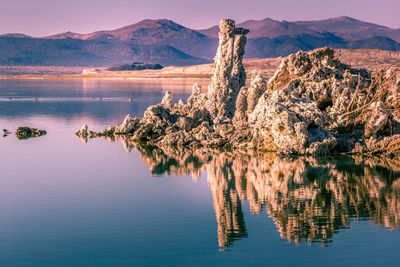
<point>227,204</point>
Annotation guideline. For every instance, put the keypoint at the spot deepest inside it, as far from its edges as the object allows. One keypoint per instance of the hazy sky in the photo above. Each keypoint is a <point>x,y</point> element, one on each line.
<point>45,17</point>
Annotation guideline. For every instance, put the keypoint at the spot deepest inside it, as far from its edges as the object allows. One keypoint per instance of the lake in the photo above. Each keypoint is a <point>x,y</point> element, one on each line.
<point>108,202</point>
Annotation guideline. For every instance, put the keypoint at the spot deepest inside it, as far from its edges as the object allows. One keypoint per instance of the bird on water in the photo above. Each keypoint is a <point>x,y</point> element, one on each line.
<point>6,132</point>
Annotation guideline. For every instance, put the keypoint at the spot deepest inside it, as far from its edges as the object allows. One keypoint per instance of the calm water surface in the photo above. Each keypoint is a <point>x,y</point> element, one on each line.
<point>67,202</point>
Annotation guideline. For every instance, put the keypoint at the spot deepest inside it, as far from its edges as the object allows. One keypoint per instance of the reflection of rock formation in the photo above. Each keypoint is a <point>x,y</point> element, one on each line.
<point>308,199</point>
<point>227,203</point>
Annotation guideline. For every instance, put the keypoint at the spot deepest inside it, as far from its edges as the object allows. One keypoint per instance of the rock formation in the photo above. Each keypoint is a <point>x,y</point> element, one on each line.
<point>206,119</point>
<point>167,100</point>
<point>248,99</point>
<point>26,132</point>
<point>314,104</point>
<point>229,75</point>
<point>83,133</point>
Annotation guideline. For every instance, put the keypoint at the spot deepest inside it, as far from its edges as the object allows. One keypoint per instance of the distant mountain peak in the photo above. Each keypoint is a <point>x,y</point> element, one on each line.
<point>340,22</point>
<point>15,35</point>
<point>150,23</point>
<point>270,19</point>
<point>344,18</point>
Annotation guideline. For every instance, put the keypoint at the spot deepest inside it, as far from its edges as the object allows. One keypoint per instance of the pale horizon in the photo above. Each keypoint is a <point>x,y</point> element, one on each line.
<point>45,17</point>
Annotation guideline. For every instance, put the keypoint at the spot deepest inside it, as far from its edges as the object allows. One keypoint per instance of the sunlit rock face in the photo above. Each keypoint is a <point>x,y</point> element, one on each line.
<point>248,99</point>
<point>309,199</point>
<point>229,75</point>
<point>293,115</point>
<point>314,104</point>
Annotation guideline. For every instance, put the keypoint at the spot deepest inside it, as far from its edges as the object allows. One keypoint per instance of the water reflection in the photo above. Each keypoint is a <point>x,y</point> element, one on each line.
<point>309,199</point>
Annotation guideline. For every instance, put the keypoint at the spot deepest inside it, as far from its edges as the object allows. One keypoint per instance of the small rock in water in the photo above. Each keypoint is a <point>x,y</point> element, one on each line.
<point>26,132</point>
<point>83,133</point>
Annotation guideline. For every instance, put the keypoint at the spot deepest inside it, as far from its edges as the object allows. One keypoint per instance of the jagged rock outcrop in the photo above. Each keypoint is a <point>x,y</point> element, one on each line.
<point>286,124</point>
<point>196,100</point>
<point>240,116</point>
<point>229,75</point>
<point>206,119</point>
<point>167,100</point>
<point>248,99</point>
<point>256,90</point>
<point>314,104</point>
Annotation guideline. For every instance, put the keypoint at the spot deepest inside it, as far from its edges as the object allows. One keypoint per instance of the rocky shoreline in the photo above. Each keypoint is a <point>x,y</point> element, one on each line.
<point>314,104</point>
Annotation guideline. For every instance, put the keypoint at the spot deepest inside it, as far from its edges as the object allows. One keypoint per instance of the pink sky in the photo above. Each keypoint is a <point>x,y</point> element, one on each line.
<point>46,17</point>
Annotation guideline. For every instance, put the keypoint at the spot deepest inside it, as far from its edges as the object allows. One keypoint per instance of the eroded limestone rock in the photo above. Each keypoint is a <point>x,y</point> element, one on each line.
<point>167,101</point>
<point>229,75</point>
<point>257,88</point>
<point>286,124</point>
<point>316,105</point>
<point>378,119</point>
<point>197,99</point>
<point>313,104</point>
<point>241,107</point>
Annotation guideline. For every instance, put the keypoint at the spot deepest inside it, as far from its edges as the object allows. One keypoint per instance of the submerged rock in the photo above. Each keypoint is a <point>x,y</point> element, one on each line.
<point>26,132</point>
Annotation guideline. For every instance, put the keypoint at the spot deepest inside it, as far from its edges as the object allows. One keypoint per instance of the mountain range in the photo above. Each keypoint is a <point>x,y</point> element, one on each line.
<point>168,43</point>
